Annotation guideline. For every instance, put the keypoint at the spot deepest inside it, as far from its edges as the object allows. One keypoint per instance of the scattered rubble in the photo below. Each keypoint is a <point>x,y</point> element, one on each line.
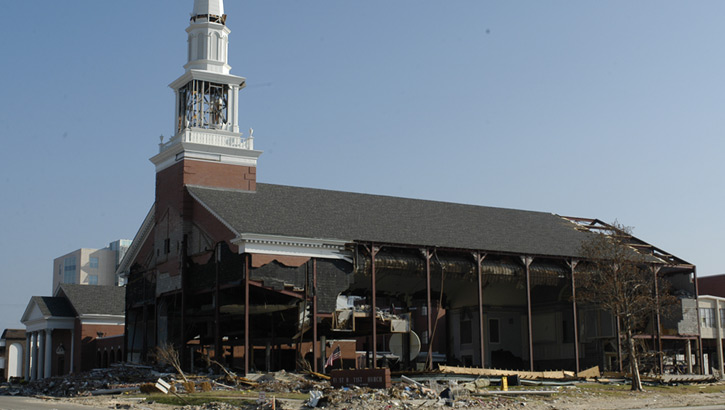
<point>309,390</point>
<point>115,379</point>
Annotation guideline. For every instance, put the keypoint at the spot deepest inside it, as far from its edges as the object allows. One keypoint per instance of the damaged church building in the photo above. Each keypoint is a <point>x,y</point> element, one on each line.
<point>267,277</point>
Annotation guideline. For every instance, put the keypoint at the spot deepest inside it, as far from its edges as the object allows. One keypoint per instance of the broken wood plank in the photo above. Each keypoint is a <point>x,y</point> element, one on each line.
<point>590,373</point>
<point>320,375</point>
<point>557,374</point>
<point>244,380</point>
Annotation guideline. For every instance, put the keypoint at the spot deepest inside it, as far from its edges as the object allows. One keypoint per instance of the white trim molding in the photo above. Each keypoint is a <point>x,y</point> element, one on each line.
<point>138,241</point>
<point>177,149</point>
<point>50,322</point>
<point>109,320</point>
<point>293,246</point>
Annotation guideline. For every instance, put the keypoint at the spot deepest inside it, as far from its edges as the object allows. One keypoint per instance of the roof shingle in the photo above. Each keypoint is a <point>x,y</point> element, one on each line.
<point>324,214</point>
<point>95,300</point>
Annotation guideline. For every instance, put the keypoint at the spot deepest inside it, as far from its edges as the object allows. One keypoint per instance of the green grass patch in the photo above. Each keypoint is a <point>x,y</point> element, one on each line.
<point>234,397</point>
<point>197,401</point>
<point>622,389</point>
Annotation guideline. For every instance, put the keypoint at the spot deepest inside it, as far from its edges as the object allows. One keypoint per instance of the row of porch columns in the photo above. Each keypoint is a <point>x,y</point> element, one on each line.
<point>526,260</point>
<point>38,354</point>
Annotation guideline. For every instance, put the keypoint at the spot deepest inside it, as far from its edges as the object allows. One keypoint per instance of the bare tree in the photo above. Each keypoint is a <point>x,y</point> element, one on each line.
<point>617,278</point>
<point>167,354</point>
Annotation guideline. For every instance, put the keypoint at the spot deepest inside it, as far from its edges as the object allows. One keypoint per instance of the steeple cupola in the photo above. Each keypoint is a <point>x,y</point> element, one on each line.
<point>206,115</point>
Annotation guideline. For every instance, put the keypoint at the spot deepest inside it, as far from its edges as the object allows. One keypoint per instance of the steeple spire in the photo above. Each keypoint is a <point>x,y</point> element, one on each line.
<point>208,37</point>
<point>208,8</point>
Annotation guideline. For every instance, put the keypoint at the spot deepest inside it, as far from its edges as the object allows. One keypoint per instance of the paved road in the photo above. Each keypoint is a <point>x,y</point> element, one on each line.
<point>29,403</point>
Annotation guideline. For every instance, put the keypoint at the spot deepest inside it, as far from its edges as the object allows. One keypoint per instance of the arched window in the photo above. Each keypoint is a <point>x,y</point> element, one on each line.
<point>15,360</point>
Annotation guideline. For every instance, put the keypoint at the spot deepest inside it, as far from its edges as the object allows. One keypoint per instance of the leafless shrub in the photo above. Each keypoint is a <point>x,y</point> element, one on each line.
<point>167,354</point>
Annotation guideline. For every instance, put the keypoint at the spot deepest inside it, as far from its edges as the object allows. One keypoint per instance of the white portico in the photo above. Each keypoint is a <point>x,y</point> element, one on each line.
<point>45,320</point>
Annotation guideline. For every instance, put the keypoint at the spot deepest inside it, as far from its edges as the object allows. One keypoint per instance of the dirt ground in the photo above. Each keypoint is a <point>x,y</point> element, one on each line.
<point>566,398</point>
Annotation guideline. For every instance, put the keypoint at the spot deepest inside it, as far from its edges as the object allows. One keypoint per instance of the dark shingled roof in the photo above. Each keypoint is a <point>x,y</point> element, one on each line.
<point>13,334</point>
<point>323,214</point>
<point>95,300</point>
<point>54,306</point>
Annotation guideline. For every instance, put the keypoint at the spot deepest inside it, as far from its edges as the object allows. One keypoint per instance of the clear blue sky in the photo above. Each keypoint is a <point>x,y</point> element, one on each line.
<point>611,110</point>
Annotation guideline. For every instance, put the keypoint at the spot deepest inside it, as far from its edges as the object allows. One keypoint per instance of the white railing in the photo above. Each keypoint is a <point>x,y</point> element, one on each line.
<point>217,139</point>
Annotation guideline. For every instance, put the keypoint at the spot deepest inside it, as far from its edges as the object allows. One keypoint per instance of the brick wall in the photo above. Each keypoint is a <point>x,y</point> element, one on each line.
<point>86,343</point>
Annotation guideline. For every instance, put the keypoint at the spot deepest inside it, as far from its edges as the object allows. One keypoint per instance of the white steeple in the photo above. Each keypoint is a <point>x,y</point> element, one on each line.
<point>208,8</point>
<point>208,37</point>
<point>206,119</point>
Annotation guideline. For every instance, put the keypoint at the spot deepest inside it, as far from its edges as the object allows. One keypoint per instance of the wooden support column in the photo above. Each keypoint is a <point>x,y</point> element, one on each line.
<point>572,264</point>
<point>479,257</point>
<point>429,360</point>
<point>323,354</point>
<point>182,273</point>
<point>144,342</point>
<point>527,261</point>
<point>247,350</point>
<point>619,346</point>
<point>315,346</point>
<point>373,309</point>
<point>217,316</point>
<point>658,322</point>
<point>700,357</point>
<point>126,334</point>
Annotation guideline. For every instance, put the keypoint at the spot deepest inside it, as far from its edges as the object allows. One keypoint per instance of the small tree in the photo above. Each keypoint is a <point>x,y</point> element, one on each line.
<point>167,354</point>
<point>619,279</point>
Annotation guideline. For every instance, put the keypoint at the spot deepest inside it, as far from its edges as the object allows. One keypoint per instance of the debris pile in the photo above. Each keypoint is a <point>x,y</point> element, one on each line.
<point>286,390</point>
<point>115,379</point>
<point>283,382</point>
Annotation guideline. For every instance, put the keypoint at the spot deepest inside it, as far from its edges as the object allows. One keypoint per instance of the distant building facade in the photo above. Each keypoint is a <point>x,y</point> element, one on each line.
<point>711,303</point>
<point>12,351</point>
<point>90,266</point>
<point>713,285</point>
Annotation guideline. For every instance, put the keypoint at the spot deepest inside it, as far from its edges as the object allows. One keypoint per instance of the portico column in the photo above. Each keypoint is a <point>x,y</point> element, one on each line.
<point>48,351</point>
<point>34,357</point>
<point>41,355</point>
<point>27,356</point>
<point>73,349</point>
